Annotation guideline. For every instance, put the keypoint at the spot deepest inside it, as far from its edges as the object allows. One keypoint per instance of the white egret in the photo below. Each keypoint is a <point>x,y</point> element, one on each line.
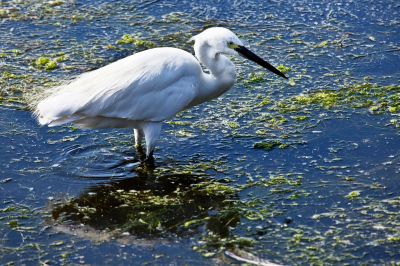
<point>145,89</point>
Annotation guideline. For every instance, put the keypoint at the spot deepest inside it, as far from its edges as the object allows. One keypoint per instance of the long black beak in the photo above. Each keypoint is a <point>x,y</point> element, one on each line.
<point>256,59</point>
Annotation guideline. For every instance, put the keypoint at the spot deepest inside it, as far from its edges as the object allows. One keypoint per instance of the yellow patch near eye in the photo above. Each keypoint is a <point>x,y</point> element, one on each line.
<point>233,45</point>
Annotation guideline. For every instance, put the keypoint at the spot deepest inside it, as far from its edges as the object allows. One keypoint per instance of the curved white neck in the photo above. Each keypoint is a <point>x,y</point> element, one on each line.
<point>222,77</point>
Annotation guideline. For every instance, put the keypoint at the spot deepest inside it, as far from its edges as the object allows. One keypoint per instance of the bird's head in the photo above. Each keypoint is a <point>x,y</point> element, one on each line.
<point>223,41</point>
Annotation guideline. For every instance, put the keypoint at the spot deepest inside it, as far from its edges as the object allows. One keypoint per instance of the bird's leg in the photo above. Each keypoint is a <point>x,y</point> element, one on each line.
<point>138,137</point>
<point>150,159</point>
<point>151,132</point>
<point>138,143</point>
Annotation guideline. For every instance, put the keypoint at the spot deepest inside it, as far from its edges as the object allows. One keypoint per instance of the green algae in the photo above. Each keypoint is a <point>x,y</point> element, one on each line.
<point>255,77</point>
<point>187,205</point>
<point>148,211</point>
<point>300,118</point>
<point>129,39</point>
<point>283,69</point>
<point>393,239</point>
<point>377,99</point>
<point>353,195</point>
<point>51,65</point>
<point>265,101</point>
<point>232,124</point>
<point>8,75</point>
<point>270,145</point>
<point>45,63</point>
<point>287,110</point>
<point>126,39</point>
<point>42,61</point>
<point>282,180</point>
<point>326,99</point>
<point>322,44</point>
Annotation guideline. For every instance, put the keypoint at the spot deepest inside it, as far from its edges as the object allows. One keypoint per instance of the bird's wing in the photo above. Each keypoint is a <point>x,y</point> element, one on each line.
<point>149,86</point>
<point>145,102</point>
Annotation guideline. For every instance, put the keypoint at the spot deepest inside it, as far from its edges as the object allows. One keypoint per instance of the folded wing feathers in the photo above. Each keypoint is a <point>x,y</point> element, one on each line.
<point>121,90</point>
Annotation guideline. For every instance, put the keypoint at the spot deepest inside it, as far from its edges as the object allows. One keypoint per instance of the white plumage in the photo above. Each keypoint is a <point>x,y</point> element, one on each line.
<point>145,89</point>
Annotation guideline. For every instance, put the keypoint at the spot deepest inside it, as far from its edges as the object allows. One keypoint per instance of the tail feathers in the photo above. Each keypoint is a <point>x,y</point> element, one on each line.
<point>53,111</point>
<point>48,115</point>
<point>57,121</point>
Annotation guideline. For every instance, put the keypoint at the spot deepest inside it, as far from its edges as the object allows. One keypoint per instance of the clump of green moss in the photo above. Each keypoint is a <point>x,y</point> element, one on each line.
<point>61,58</point>
<point>126,39</point>
<point>283,69</point>
<point>353,195</point>
<point>326,99</point>
<point>41,61</point>
<point>13,224</point>
<point>231,124</point>
<point>378,99</point>
<point>256,77</point>
<point>213,188</point>
<point>8,75</point>
<point>300,118</point>
<point>394,239</point>
<point>129,39</point>
<point>45,63</point>
<point>51,65</point>
<point>282,180</point>
<point>270,145</point>
<point>76,18</point>
<point>276,121</point>
<point>265,101</point>
<point>322,44</point>
<point>395,122</point>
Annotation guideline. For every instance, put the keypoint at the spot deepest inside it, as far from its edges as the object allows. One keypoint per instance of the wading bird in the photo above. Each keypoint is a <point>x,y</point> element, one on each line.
<point>145,89</point>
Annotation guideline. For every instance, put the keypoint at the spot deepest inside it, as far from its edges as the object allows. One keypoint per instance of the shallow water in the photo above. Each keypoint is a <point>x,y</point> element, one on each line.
<point>261,172</point>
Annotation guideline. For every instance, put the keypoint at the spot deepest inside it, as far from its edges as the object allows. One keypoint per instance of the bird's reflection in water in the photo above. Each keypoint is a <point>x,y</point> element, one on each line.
<point>152,205</point>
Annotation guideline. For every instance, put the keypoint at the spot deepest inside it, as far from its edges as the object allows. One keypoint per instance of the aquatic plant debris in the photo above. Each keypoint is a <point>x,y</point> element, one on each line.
<point>222,182</point>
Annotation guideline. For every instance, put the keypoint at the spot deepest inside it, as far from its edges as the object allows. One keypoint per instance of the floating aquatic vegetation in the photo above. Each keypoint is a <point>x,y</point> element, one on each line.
<point>129,39</point>
<point>339,76</point>
<point>45,63</point>
<point>268,146</point>
<point>325,99</point>
<point>255,77</point>
<point>322,44</point>
<point>353,195</point>
<point>231,124</point>
<point>283,69</point>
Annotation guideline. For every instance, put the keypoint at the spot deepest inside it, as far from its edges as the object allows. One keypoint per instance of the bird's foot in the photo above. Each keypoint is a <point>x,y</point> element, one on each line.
<point>149,162</point>
<point>149,159</point>
<point>140,153</point>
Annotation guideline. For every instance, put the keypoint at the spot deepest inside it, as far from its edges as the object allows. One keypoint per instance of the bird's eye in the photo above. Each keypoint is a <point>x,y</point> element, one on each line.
<point>232,45</point>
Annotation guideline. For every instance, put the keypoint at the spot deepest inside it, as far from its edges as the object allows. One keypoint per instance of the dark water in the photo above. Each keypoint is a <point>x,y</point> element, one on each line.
<point>329,195</point>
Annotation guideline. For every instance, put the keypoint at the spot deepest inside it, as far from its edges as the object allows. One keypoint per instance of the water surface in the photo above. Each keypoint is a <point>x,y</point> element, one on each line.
<point>298,172</point>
